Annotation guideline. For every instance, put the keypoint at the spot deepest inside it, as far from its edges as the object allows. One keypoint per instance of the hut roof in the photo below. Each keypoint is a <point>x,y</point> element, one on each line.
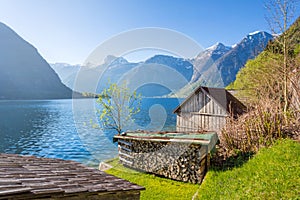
<point>209,139</point>
<point>221,96</point>
<point>29,177</point>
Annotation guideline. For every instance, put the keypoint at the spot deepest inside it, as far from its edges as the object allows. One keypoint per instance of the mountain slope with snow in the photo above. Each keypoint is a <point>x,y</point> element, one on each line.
<point>114,69</point>
<point>216,66</point>
<point>221,71</point>
<point>206,59</point>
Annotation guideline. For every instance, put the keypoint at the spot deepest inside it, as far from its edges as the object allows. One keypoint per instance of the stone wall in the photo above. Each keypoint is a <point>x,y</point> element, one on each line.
<point>179,161</point>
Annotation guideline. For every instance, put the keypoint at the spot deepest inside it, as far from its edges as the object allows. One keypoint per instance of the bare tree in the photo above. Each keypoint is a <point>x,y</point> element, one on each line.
<point>281,13</point>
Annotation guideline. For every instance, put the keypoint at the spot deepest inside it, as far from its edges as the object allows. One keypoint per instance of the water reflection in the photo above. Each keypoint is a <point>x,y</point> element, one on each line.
<point>48,129</point>
<point>41,128</point>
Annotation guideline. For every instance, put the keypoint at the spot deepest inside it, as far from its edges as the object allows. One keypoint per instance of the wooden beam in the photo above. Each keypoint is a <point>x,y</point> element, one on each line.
<point>125,161</point>
<point>205,114</point>
<point>124,148</point>
<point>124,142</point>
<point>124,154</point>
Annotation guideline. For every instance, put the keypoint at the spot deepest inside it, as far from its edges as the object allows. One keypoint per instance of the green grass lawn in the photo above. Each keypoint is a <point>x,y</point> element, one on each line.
<point>274,173</point>
<point>156,187</point>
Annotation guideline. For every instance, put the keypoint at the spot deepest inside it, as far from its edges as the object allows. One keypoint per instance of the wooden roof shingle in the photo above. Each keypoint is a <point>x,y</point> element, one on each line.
<point>29,177</point>
<point>221,96</point>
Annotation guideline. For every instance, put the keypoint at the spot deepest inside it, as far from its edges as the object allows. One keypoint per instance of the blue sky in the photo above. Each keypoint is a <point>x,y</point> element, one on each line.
<point>69,30</point>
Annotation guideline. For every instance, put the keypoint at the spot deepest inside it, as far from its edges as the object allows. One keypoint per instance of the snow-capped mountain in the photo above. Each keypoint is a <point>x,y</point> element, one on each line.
<point>220,68</point>
<point>85,77</point>
<point>113,60</point>
<point>216,66</point>
<point>115,68</point>
<point>206,59</point>
<point>218,48</point>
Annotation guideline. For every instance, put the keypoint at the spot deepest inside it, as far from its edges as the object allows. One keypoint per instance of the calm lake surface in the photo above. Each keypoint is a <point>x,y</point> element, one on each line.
<point>63,128</point>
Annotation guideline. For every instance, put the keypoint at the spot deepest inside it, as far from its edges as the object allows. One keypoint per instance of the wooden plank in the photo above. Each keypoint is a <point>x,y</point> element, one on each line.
<point>124,148</point>
<point>15,191</point>
<point>5,181</point>
<point>124,142</point>
<point>35,178</point>
<point>209,114</point>
<point>203,150</point>
<point>75,190</point>
<point>125,161</point>
<point>32,180</point>
<point>48,191</point>
<point>124,154</point>
<point>3,187</point>
<point>40,185</point>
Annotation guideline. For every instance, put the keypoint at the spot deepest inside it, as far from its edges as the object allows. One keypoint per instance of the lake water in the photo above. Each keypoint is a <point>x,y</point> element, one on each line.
<point>63,128</point>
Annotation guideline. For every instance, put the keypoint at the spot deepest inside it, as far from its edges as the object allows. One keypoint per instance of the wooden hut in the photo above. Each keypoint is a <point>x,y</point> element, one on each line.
<point>207,109</point>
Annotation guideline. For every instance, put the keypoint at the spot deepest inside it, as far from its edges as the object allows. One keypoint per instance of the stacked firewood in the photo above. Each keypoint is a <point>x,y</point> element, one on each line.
<point>174,160</point>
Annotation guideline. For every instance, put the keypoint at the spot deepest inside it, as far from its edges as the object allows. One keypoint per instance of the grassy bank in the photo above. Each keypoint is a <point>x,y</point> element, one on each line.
<point>273,173</point>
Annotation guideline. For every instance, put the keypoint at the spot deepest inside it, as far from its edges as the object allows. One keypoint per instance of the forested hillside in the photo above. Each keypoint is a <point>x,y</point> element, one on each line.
<point>264,73</point>
<point>270,85</point>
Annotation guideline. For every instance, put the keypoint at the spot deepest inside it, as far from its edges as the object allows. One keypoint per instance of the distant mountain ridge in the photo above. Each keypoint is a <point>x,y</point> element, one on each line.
<point>114,68</point>
<point>216,66</point>
<point>251,46</point>
<point>24,73</point>
<point>221,64</point>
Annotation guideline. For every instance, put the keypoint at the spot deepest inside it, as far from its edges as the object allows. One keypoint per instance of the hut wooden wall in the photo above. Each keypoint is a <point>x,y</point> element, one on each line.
<point>201,113</point>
